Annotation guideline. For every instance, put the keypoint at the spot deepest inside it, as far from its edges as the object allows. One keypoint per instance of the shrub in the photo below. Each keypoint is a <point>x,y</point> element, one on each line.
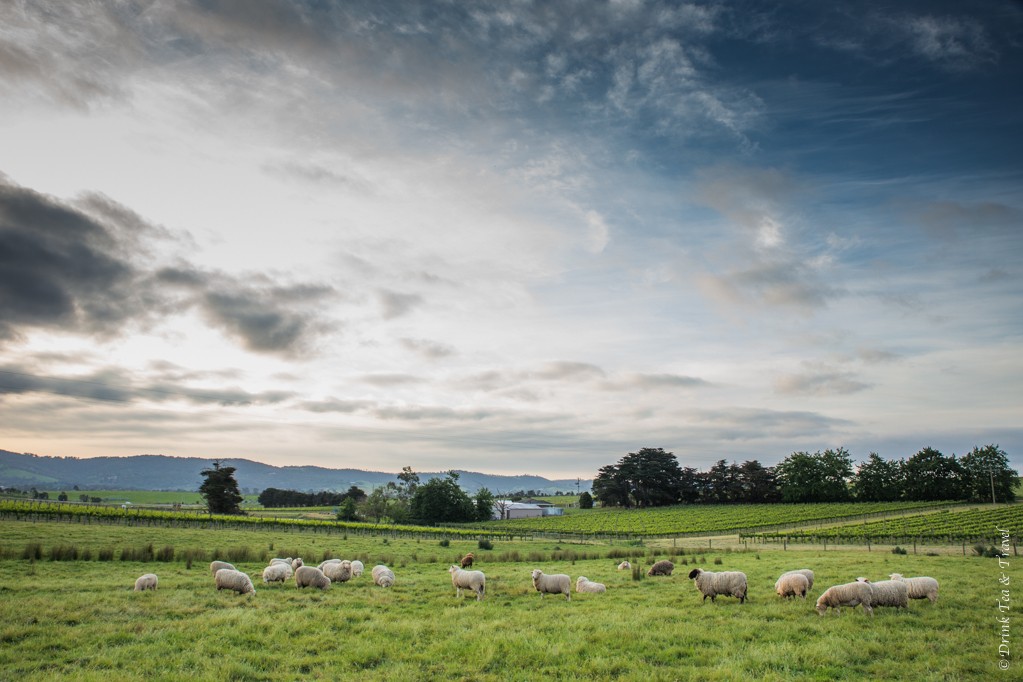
<point>64,553</point>
<point>105,554</point>
<point>717,561</point>
<point>898,550</point>
<point>33,550</point>
<point>637,572</point>
<point>445,543</point>
<point>485,543</point>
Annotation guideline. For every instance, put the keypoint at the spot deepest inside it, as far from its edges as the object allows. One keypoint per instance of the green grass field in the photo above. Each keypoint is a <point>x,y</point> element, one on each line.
<point>80,620</point>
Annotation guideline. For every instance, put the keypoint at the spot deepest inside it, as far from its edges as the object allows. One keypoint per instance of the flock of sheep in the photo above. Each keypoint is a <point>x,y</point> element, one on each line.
<point>895,592</point>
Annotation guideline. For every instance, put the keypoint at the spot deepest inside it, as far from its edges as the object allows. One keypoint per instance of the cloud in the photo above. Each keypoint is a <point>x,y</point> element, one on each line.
<point>431,350</point>
<point>396,304</point>
<point>953,43</point>
<point>648,382</point>
<point>779,283</point>
<point>820,383</point>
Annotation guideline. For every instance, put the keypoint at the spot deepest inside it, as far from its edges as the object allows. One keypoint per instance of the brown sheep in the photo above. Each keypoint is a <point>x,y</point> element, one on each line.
<point>662,567</point>
<point>467,560</point>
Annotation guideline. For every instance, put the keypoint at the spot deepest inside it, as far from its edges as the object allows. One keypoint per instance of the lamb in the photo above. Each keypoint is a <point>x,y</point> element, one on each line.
<point>583,584</point>
<point>217,565</point>
<point>276,573</point>
<point>804,571</point>
<point>383,576</point>
<point>849,594</point>
<point>467,560</point>
<point>662,567</point>
<point>922,587</point>
<point>468,580</point>
<point>624,566</point>
<point>310,576</point>
<point>146,582</point>
<point>230,579</point>
<point>339,572</point>
<point>888,593</point>
<point>792,584</point>
<point>357,568</point>
<point>728,583</point>
<point>559,583</point>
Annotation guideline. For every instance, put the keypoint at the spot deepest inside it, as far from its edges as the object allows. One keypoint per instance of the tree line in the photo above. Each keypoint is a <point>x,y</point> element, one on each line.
<point>272,498</point>
<point>653,477</point>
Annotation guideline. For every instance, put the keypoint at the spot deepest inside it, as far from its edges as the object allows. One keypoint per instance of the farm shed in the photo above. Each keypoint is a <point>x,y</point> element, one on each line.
<point>506,509</point>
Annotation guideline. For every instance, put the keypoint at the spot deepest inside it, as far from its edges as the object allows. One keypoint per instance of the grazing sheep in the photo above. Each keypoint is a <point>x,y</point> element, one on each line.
<point>310,576</point>
<point>559,583</point>
<point>276,573</point>
<point>467,560</point>
<point>340,572</point>
<point>230,579</point>
<point>888,593</point>
<point>922,587</point>
<point>727,583</point>
<point>792,584</point>
<point>802,571</point>
<point>583,584</point>
<point>383,576</point>
<point>662,567</point>
<point>297,564</point>
<point>357,568</point>
<point>624,566</point>
<point>278,560</point>
<point>849,594</point>
<point>468,580</point>
<point>329,561</point>
<point>146,582</point>
<point>217,565</point>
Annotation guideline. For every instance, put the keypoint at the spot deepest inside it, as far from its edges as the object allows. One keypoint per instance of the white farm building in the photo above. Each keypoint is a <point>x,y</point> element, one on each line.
<point>506,509</point>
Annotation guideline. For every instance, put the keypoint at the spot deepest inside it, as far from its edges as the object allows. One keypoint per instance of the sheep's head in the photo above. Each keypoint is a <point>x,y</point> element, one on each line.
<point>694,573</point>
<point>581,579</point>
<point>453,569</point>
<point>861,579</point>
<point>536,574</point>
<point>895,576</point>
<point>821,607</point>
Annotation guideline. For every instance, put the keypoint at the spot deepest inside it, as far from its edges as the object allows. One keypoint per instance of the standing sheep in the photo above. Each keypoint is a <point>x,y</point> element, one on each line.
<point>727,583</point>
<point>310,576</point>
<point>922,587</point>
<point>230,579</point>
<point>467,560</point>
<point>383,576</point>
<point>558,583</point>
<point>849,594</point>
<point>329,561</point>
<point>217,565</point>
<point>584,584</point>
<point>624,566</point>
<point>278,560</point>
<point>792,584</point>
<point>357,568</point>
<point>297,564</point>
<point>276,573</point>
<point>802,571</point>
<point>662,567</point>
<point>887,593</point>
<point>340,572</point>
<point>468,580</point>
<point>146,582</point>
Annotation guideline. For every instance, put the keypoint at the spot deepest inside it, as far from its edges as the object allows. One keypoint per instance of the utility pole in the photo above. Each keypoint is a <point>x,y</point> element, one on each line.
<point>992,470</point>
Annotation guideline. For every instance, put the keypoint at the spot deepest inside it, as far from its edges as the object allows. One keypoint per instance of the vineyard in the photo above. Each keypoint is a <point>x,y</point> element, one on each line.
<point>699,519</point>
<point>958,525</point>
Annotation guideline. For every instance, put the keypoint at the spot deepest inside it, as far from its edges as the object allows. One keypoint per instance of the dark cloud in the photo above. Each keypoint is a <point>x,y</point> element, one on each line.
<point>431,350</point>
<point>396,304</point>
<point>387,380</point>
<point>820,383</point>
<point>777,283</point>
<point>655,381</point>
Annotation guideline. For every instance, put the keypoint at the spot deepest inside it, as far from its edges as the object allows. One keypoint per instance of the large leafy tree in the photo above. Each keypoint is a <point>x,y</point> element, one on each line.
<point>879,480</point>
<point>987,473</point>
<point>442,500</point>
<point>757,483</point>
<point>931,475</point>
<point>820,477</point>
<point>220,490</point>
<point>648,478</point>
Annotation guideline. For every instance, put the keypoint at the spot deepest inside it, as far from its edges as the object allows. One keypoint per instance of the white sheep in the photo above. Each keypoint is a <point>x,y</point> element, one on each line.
<point>922,587</point>
<point>849,594</point>
<point>146,582</point>
<point>276,573</point>
<point>217,565</point>
<point>383,576</point>
<point>297,564</point>
<point>662,567</point>
<point>339,572</point>
<point>230,579</point>
<point>357,568</point>
<point>727,583</point>
<point>558,583</point>
<point>802,571</point>
<point>624,566</point>
<point>584,584</point>
<point>468,580</point>
<point>329,561</point>
<point>888,593</point>
<point>310,576</point>
<point>278,560</point>
<point>792,584</point>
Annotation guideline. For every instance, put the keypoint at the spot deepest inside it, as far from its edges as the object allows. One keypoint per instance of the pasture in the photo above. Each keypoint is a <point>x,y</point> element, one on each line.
<point>80,619</point>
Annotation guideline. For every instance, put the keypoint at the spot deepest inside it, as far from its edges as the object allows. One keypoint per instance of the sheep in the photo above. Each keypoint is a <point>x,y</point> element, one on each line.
<point>383,576</point>
<point>230,579</point>
<point>559,583</point>
<point>217,565</point>
<point>329,561</point>
<point>467,560</point>
<point>276,573</point>
<point>624,566</point>
<point>849,594</point>
<point>278,560</point>
<point>339,572</point>
<point>297,564</point>
<point>888,593</point>
<point>922,587</point>
<point>792,584</point>
<point>728,583</point>
<point>468,580</point>
<point>146,582</point>
<point>803,571</point>
<point>357,568</point>
<point>310,576</point>
<point>583,584</point>
<point>662,567</point>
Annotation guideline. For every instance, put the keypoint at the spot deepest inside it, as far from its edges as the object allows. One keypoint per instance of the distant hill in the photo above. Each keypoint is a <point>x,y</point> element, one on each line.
<point>159,472</point>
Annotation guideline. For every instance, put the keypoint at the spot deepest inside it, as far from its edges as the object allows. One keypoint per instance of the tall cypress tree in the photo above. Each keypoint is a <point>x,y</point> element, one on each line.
<point>220,490</point>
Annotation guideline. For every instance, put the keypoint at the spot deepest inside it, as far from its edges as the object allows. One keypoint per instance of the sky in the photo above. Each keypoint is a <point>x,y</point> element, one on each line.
<point>511,237</point>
